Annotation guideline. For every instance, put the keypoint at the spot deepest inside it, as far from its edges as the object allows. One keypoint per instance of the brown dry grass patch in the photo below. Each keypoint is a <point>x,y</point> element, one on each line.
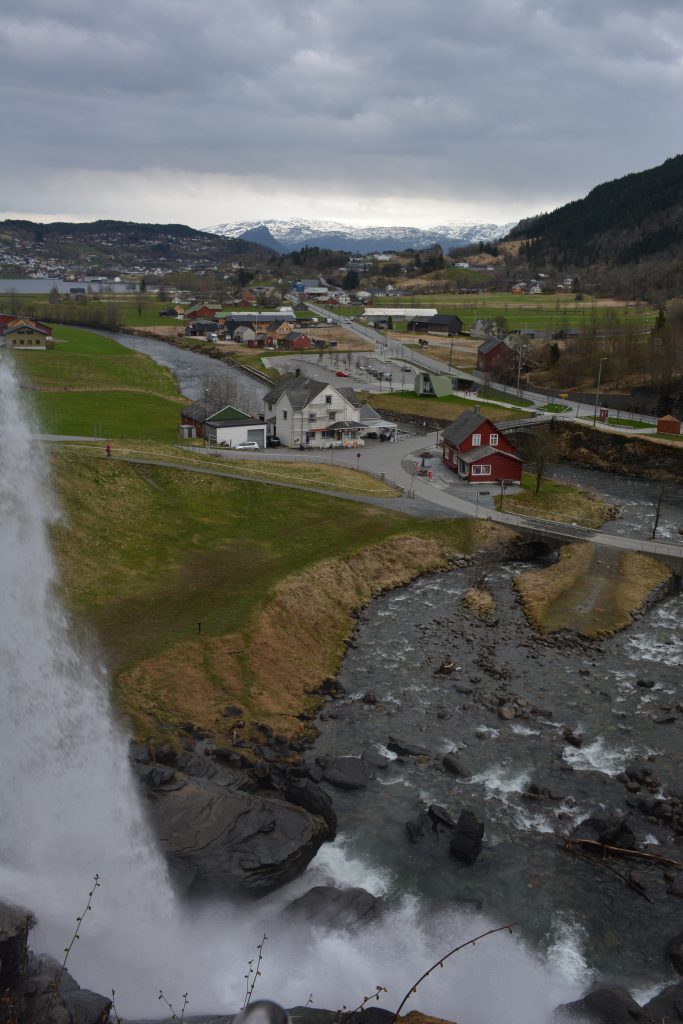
<point>593,593</point>
<point>480,602</point>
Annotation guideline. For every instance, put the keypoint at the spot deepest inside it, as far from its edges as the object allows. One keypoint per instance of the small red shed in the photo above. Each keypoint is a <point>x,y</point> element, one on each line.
<point>668,425</point>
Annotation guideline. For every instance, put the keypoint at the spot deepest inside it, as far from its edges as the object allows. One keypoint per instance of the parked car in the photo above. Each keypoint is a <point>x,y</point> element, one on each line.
<point>407,369</point>
<point>342,373</point>
<point>273,442</point>
<point>247,446</point>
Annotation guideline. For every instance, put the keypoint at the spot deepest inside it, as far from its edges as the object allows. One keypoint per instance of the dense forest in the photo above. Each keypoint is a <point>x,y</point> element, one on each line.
<point>625,236</point>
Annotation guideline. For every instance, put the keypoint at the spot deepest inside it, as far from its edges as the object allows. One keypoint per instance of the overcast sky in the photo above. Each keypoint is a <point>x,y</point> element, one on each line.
<point>415,112</point>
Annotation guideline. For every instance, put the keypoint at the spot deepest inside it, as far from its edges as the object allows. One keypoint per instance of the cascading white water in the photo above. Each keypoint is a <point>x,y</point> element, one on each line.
<point>69,809</point>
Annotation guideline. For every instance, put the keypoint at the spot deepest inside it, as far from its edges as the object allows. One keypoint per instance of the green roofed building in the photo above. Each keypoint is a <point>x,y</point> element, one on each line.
<point>436,385</point>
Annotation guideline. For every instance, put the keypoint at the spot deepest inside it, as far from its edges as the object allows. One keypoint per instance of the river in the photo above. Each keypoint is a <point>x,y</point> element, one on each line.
<point>192,369</point>
<point>583,918</point>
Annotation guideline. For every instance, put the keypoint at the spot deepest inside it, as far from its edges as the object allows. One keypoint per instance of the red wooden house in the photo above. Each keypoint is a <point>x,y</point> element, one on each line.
<point>477,450</point>
<point>495,355</point>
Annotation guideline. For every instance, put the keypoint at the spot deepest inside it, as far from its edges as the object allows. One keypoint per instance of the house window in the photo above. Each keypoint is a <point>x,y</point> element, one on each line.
<point>284,414</point>
<point>312,417</point>
<point>328,399</point>
<point>476,440</point>
<point>481,470</point>
<point>493,440</point>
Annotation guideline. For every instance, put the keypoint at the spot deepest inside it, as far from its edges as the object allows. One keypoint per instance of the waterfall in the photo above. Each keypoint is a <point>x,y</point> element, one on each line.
<point>69,809</point>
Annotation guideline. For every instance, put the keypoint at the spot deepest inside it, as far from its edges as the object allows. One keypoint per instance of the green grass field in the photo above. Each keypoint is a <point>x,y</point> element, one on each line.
<point>539,312</point>
<point>447,408</point>
<point>110,414</point>
<point>84,360</point>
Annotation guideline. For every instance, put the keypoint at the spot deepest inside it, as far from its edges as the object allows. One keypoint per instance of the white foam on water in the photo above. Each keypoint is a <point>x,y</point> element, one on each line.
<point>597,757</point>
<point>565,951</point>
<point>391,755</point>
<point>523,730</point>
<point>500,783</point>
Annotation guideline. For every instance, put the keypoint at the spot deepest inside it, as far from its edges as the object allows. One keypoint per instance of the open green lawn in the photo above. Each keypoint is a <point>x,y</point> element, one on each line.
<point>84,360</point>
<point>112,414</point>
<point>616,421</point>
<point>558,502</point>
<point>447,408</point>
<point>555,407</point>
<point>540,312</point>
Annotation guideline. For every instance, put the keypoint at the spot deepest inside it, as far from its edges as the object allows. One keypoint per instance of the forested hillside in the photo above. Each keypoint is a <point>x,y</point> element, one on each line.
<point>627,234</point>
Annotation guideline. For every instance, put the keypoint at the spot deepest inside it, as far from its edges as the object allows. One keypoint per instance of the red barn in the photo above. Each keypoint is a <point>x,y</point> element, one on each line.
<point>494,355</point>
<point>476,449</point>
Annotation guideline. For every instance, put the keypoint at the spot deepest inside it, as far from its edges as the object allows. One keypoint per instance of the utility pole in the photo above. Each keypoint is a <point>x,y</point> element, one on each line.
<point>450,358</point>
<point>597,389</point>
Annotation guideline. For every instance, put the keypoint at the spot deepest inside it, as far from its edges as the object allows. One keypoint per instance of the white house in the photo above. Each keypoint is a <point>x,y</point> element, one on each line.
<point>229,427</point>
<point>302,411</point>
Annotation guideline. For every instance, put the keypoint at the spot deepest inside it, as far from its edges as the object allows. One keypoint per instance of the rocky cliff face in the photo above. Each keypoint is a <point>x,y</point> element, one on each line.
<point>618,453</point>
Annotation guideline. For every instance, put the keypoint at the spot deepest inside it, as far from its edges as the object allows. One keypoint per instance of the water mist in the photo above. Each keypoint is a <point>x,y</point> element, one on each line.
<point>69,809</point>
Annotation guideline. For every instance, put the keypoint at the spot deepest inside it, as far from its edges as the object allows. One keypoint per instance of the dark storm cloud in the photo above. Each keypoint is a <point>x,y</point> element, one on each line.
<point>493,100</point>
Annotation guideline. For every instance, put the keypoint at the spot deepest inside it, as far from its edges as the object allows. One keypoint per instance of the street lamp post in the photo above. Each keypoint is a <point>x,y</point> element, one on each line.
<point>450,358</point>
<point>597,389</point>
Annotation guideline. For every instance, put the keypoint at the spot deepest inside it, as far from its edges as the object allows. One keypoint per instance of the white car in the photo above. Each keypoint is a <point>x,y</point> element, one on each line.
<point>247,446</point>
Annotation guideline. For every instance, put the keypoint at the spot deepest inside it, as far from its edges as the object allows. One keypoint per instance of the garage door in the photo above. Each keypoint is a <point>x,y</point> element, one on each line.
<point>257,435</point>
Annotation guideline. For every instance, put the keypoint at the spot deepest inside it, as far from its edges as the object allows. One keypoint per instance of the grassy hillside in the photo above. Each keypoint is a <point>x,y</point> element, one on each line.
<point>90,385</point>
<point>273,575</point>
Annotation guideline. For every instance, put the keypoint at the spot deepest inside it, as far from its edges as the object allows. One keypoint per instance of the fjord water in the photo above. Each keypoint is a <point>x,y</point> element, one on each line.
<point>70,809</point>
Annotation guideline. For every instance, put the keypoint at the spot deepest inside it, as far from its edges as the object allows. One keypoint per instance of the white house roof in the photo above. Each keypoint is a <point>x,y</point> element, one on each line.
<point>397,311</point>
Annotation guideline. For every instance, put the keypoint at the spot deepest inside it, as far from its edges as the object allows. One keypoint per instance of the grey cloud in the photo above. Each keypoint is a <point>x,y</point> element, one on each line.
<point>480,99</point>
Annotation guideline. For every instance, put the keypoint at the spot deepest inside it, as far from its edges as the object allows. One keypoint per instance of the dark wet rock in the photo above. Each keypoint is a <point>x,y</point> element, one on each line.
<point>674,951</point>
<point>612,830</point>
<point>369,698</point>
<point>155,774</point>
<point>439,816</point>
<point>139,752</point>
<point>406,749</point>
<point>446,668</point>
<point>217,841</point>
<point>15,924</point>
<point>165,754</point>
<point>304,793</point>
<point>68,1004</point>
<point>454,764</point>
<point>463,688</point>
<point>506,712</point>
<point>336,908</point>
<point>603,1006</point>
<point>574,739</point>
<point>346,772</point>
<point>647,684</point>
<point>468,836</point>
<point>374,759</point>
<point>232,711</point>
<point>667,1005</point>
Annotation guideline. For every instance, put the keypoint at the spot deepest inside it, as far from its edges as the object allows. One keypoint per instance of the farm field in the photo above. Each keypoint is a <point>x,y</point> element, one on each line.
<point>407,403</point>
<point>532,312</point>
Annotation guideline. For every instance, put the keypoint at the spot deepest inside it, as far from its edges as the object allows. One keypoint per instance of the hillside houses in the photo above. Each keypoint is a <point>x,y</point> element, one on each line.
<point>304,412</point>
<point>24,333</point>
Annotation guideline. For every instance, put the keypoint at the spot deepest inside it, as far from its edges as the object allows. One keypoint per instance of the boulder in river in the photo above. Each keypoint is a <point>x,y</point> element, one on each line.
<point>336,908</point>
<point>217,841</point>
<point>667,1005</point>
<point>603,1006</point>
<point>346,772</point>
<point>405,748</point>
<point>467,837</point>
<point>306,794</point>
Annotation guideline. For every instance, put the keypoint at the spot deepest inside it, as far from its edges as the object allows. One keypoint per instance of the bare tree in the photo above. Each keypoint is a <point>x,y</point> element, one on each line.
<point>658,499</point>
<point>540,451</point>
<point>221,389</point>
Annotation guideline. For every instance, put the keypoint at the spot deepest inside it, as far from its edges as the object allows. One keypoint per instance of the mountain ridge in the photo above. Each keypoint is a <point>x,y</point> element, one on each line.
<point>290,235</point>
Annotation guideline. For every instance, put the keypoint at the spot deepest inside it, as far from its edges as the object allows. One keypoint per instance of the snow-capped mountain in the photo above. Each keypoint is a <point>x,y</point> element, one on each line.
<point>288,235</point>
